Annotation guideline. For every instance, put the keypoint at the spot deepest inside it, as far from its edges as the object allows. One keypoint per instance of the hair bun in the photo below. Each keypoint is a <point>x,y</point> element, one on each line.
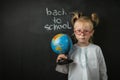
<point>95,19</point>
<point>76,15</point>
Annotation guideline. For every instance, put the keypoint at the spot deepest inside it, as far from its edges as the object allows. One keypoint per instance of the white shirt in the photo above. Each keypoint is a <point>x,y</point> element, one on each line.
<point>88,64</point>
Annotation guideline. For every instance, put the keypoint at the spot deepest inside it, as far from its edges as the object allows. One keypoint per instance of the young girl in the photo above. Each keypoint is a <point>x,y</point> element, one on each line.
<point>88,60</point>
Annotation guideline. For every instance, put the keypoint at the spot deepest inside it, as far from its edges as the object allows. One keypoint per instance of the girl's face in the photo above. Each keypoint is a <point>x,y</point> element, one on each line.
<point>83,31</point>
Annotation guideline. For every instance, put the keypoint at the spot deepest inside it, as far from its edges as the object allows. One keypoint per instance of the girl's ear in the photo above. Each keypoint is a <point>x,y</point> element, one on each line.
<point>92,32</point>
<point>91,36</point>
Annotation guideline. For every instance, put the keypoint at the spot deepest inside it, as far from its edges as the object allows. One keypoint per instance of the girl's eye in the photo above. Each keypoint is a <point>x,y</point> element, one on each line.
<point>79,30</point>
<point>86,31</point>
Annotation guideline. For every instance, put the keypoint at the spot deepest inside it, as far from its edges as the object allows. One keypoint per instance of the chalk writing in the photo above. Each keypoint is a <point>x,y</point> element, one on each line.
<point>57,22</point>
<point>55,12</point>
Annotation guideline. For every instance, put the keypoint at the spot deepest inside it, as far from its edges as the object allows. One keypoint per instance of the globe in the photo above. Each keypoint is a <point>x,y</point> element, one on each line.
<point>61,43</point>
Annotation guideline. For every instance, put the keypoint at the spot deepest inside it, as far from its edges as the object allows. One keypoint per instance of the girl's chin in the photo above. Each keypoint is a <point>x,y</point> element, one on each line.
<point>83,42</point>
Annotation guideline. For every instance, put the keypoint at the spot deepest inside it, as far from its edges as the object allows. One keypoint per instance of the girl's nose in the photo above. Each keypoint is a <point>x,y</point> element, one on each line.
<point>82,33</point>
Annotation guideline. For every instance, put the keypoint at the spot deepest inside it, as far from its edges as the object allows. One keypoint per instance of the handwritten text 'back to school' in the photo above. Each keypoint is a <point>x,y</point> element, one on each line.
<point>57,22</point>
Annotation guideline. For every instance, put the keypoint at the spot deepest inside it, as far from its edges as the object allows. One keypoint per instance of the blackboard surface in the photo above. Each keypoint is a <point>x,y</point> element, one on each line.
<point>27,27</point>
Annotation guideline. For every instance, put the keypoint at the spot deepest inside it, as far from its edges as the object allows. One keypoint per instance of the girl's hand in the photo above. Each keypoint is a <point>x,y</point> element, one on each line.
<point>61,56</point>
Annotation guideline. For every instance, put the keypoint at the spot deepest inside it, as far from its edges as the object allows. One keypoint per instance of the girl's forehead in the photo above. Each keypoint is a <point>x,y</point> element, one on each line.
<point>82,25</point>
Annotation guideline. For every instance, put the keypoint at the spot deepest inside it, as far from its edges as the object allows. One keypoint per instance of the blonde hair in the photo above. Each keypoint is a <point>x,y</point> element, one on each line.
<point>93,20</point>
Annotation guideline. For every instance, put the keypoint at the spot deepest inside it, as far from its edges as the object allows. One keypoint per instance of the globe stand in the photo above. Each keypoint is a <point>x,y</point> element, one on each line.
<point>63,61</point>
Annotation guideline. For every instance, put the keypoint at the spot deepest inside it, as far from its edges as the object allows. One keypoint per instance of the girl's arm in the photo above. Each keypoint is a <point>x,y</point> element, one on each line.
<point>102,66</point>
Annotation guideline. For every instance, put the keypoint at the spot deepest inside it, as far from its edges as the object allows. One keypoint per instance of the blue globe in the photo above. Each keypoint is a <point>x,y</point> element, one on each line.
<point>61,43</point>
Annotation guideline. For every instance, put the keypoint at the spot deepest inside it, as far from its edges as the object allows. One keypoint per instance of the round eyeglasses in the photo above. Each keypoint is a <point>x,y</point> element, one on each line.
<point>82,32</point>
